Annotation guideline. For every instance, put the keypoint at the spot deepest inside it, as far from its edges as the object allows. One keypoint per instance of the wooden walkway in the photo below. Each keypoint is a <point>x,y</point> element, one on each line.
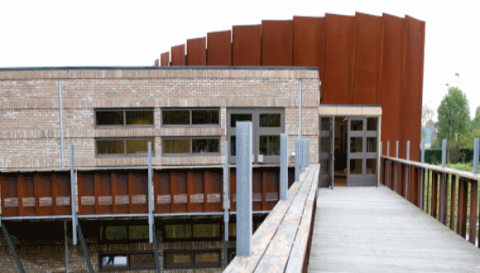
<point>375,230</point>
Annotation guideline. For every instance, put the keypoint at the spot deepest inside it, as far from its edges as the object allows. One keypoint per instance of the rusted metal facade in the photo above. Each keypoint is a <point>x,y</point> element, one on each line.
<point>362,60</point>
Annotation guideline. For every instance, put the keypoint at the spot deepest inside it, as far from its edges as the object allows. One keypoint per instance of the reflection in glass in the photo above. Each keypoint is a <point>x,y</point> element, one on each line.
<point>180,231</point>
<point>201,117</point>
<point>356,145</point>
<point>207,257</point>
<point>111,118</point>
<point>110,147</point>
<point>371,166</point>
<point>270,145</point>
<point>138,232</point>
<point>371,124</point>
<point>239,117</point>
<point>139,117</point>
<point>176,117</point>
<point>325,124</point>
<point>270,120</point>
<point>324,167</point>
<point>206,230</point>
<point>371,144</point>
<point>233,145</point>
<point>325,145</point>
<point>356,125</point>
<point>356,166</point>
<point>116,233</point>
<point>202,146</point>
<point>138,146</point>
<point>176,146</point>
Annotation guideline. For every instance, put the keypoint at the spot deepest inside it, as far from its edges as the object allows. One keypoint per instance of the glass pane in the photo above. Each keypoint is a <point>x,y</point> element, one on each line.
<point>325,145</point>
<point>356,125</point>
<point>371,166</point>
<point>270,145</point>
<point>176,146</point>
<point>200,146</point>
<point>179,231</point>
<point>371,144</point>
<point>139,117</point>
<point>206,230</point>
<point>138,146</point>
<point>325,124</point>
<point>110,147</point>
<point>179,258</point>
<point>207,257</point>
<point>324,167</point>
<point>138,232</point>
<point>200,117</point>
<point>371,124</point>
<point>233,145</point>
<point>109,118</point>
<point>232,229</point>
<point>115,260</point>
<point>116,233</point>
<point>356,144</point>
<point>142,260</point>
<point>356,166</point>
<point>270,120</point>
<point>239,117</point>
<point>176,117</point>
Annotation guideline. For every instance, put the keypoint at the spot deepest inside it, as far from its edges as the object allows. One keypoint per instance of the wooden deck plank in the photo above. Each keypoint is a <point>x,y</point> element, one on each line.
<point>376,230</point>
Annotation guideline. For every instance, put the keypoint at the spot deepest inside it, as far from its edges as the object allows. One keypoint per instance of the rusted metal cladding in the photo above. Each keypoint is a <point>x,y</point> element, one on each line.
<point>195,191</point>
<point>306,34</point>
<point>257,190</point>
<point>339,59</point>
<point>120,192</point>
<point>86,193</point>
<point>392,80</point>
<point>272,188</point>
<point>178,55</point>
<point>233,189</point>
<point>246,45</point>
<point>219,46</point>
<point>161,186</point>
<point>165,59</point>
<point>178,182</point>
<point>197,51</point>
<point>26,195</point>
<point>413,78</point>
<point>9,195</point>
<point>61,194</point>
<point>277,43</point>
<point>368,59</point>
<point>157,62</point>
<point>214,190</point>
<point>138,191</point>
<point>43,193</point>
<point>103,193</point>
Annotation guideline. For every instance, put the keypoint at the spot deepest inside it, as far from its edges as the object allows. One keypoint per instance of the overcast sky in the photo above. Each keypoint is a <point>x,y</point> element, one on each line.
<point>134,33</point>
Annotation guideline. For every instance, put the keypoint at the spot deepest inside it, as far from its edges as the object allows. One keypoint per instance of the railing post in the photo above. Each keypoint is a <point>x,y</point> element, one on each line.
<point>444,181</point>
<point>422,158</point>
<point>475,155</point>
<point>297,159</point>
<point>283,166</point>
<point>387,163</point>
<point>72,197</point>
<point>308,152</point>
<point>422,175</point>
<point>407,167</point>
<point>380,163</point>
<point>396,167</point>
<point>226,214</point>
<point>305,154</point>
<point>244,188</point>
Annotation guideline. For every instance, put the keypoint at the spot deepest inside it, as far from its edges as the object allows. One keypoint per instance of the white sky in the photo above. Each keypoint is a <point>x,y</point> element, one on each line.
<point>134,33</point>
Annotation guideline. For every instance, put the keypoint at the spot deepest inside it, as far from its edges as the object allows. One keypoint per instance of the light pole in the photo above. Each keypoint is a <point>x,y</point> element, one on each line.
<point>458,75</point>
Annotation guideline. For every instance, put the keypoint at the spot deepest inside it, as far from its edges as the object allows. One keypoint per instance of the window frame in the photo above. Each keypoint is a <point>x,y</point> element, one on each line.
<point>190,109</point>
<point>193,264</point>
<point>124,110</point>
<point>129,265</point>
<point>191,153</point>
<point>192,238</point>
<point>103,238</point>
<point>125,154</point>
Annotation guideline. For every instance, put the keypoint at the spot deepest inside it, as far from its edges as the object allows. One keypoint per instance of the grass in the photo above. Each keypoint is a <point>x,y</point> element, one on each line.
<point>468,167</point>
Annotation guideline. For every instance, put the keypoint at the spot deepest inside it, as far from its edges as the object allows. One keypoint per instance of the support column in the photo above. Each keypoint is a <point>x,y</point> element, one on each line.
<point>226,205</point>
<point>407,167</point>
<point>422,175</point>
<point>297,159</point>
<point>387,163</point>
<point>475,155</point>
<point>396,167</point>
<point>150,194</point>
<point>72,198</point>
<point>444,182</point>
<point>283,166</point>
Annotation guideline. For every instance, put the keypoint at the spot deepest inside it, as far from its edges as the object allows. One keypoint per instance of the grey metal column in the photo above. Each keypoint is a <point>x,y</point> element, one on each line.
<point>406,171</point>
<point>72,198</point>
<point>300,109</point>
<point>380,165</point>
<point>283,166</point>
<point>84,248</point>
<point>297,159</point>
<point>60,102</point>
<point>422,174</point>
<point>244,189</point>
<point>155,248</point>
<point>308,152</point>
<point>304,153</point>
<point>396,167</point>
<point>388,164</point>
<point>150,194</point>
<point>11,246</point>
<point>475,155</point>
<point>444,180</point>
<point>66,245</point>
<point>226,214</point>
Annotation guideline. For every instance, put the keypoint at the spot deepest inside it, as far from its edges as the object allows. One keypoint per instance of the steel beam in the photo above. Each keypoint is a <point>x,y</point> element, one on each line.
<point>244,189</point>
<point>300,109</point>
<point>422,176</point>
<point>423,152</point>
<point>84,248</point>
<point>283,166</point>
<point>72,198</point>
<point>11,246</point>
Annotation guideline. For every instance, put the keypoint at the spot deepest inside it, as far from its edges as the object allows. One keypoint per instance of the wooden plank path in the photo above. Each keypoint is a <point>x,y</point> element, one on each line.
<point>375,230</point>
<point>281,242</point>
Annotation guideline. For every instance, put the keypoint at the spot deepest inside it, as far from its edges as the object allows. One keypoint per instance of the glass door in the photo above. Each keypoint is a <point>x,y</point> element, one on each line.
<point>326,151</point>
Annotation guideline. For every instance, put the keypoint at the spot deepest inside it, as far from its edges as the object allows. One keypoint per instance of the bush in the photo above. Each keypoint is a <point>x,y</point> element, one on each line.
<point>434,156</point>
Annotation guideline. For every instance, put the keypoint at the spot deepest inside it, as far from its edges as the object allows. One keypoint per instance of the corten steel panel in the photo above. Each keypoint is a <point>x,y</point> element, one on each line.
<point>43,188</point>
<point>277,43</point>
<point>103,192</point>
<point>9,190</point>
<point>178,183</point>
<point>157,62</point>
<point>306,37</point>
<point>272,186</point>
<point>61,189</point>
<point>165,59</point>
<point>473,212</point>
<point>368,59</point>
<point>161,186</point>
<point>197,51</point>
<point>86,190</point>
<point>25,194</point>
<point>339,59</point>
<point>216,189</point>
<point>392,79</point>
<point>411,109</point>
<point>219,46</point>
<point>246,45</point>
<point>178,55</point>
<point>195,189</point>
<point>120,192</point>
<point>138,191</point>
<point>257,189</point>
<point>321,54</point>
<point>233,189</point>
<point>434,194</point>
<point>462,208</point>
<point>207,189</point>
<point>452,202</point>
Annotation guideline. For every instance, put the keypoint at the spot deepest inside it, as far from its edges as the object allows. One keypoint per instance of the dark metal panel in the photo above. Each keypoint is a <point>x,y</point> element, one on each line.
<point>434,193</point>
<point>216,189</point>
<point>103,193</point>
<point>61,193</point>
<point>197,51</point>
<point>277,43</point>
<point>161,186</point>
<point>138,191</point>
<point>219,46</point>
<point>120,192</point>
<point>9,192</point>
<point>86,190</point>
<point>272,188</point>
<point>246,45</point>
<point>178,55</point>
<point>165,59</point>
<point>26,195</point>
<point>368,59</point>
<point>339,59</point>
<point>43,190</point>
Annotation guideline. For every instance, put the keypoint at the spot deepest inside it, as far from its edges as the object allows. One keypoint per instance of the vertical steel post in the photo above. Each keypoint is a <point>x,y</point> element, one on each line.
<point>379,163</point>
<point>308,152</point>
<point>283,166</point>
<point>422,176</point>
<point>150,194</point>
<point>244,189</point>
<point>155,248</point>
<point>387,164</point>
<point>72,198</point>
<point>226,214</point>
<point>396,167</point>
<point>66,245</point>
<point>300,110</point>
<point>444,181</point>
<point>61,122</point>
<point>423,152</point>
<point>84,248</point>
<point>11,246</point>
<point>406,171</point>
<point>475,155</point>
<point>297,159</point>
<point>304,153</point>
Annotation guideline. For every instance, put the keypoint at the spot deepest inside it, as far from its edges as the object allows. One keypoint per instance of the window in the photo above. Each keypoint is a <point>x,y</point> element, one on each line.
<point>185,259</point>
<point>123,147</point>
<point>191,146</point>
<point>124,233</point>
<point>123,118</point>
<point>115,261</point>
<point>189,232</point>
<point>190,117</point>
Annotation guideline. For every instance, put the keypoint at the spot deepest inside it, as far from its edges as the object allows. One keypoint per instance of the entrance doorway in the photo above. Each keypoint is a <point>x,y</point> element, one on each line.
<point>349,151</point>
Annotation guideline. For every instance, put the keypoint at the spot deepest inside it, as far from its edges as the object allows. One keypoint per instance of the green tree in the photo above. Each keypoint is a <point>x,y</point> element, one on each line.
<point>476,120</point>
<point>427,115</point>
<point>454,121</point>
